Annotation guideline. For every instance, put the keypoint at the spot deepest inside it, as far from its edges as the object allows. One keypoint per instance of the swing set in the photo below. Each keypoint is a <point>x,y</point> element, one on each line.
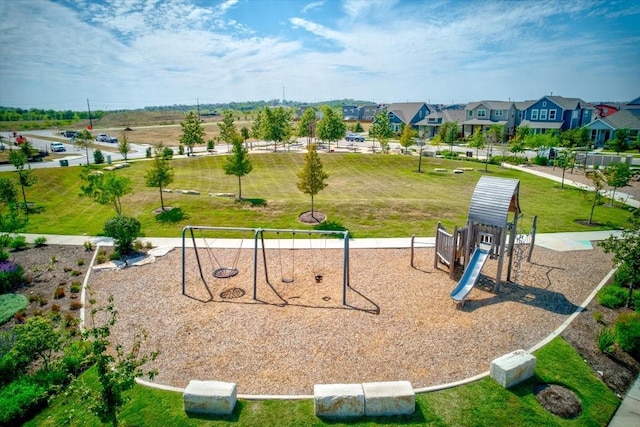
<point>224,254</point>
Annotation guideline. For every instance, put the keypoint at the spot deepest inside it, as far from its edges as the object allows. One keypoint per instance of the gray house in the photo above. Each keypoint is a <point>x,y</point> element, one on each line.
<point>603,129</point>
<point>429,126</point>
<point>556,113</point>
<point>483,114</point>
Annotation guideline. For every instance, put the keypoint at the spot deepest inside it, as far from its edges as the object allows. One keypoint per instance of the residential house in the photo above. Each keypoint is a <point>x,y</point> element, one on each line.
<point>603,129</point>
<point>556,113</point>
<point>632,105</point>
<point>367,112</point>
<point>483,114</point>
<point>429,126</point>
<point>403,113</point>
<point>605,109</point>
<point>349,112</point>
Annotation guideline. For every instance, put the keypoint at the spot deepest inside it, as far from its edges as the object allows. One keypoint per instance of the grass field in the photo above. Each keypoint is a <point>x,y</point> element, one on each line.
<point>370,195</point>
<point>482,403</point>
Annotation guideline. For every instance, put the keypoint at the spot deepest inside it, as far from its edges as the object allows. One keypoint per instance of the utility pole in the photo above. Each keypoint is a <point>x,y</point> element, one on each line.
<point>90,121</point>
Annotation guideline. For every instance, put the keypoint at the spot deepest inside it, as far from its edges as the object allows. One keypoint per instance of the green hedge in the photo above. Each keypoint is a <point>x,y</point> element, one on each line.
<point>10,304</point>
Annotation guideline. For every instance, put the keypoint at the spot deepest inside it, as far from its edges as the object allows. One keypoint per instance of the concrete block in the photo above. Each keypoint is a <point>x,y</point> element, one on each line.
<point>513,368</point>
<point>389,398</point>
<point>210,397</point>
<point>338,400</point>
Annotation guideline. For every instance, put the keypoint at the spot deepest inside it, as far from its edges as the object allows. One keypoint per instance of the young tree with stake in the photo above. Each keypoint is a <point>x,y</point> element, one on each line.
<point>311,179</point>
<point>161,172</point>
<point>238,163</point>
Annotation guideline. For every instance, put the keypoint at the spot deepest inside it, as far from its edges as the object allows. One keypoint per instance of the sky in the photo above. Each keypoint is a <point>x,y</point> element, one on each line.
<point>127,54</point>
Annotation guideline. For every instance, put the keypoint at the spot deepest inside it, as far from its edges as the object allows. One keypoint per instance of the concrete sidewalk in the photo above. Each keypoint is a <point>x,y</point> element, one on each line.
<point>626,198</point>
<point>556,241</point>
<point>628,413</point>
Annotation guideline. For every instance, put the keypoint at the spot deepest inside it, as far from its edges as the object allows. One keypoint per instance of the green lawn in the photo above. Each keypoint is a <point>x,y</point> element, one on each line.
<point>370,195</point>
<point>482,403</point>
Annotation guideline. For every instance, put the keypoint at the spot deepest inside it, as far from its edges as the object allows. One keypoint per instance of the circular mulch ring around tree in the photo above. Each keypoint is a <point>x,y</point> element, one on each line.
<point>558,400</point>
<point>160,210</point>
<point>316,218</point>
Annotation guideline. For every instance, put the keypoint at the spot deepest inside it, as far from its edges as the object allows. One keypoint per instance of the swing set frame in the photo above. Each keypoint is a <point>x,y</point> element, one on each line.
<point>259,244</point>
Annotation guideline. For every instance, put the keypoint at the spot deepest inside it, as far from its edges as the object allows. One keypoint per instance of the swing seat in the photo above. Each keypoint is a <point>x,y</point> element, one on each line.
<point>224,272</point>
<point>318,278</point>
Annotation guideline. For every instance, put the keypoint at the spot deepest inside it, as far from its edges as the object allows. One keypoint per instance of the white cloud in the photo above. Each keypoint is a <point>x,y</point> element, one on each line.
<point>312,6</point>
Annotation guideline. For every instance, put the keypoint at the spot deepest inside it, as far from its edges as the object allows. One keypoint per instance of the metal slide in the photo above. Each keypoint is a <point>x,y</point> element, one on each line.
<point>470,275</point>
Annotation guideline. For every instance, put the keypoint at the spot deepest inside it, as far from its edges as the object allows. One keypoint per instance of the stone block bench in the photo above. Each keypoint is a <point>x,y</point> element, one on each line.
<point>513,368</point>
<point>372,399</point>
<point>389,398</point>
<point>338,400</point>
<point>210,397</point>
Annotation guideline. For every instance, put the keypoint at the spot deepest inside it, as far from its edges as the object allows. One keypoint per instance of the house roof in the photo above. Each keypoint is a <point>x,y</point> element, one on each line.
<point>475,122</point>
<point>634,101</point>
<point>493,199</point>
<point>523,105</point>
<point>568,103</point>
<point>623,119</point>
<point>541,125</point>
<point>491,105</point>
<point>446,115</point>
<point>405,111</point>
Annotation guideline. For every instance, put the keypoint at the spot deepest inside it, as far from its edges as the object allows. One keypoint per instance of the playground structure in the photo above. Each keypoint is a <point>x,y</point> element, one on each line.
<point>224,254</point>
<point>488,234</point>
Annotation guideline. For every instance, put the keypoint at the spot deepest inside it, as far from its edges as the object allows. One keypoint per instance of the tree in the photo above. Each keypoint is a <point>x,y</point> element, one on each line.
<point>307,124</point>
<point>244,132</point>
<point>380,129</point>
<point>124,230</point>
<point>619,141</point>
<point>331,127</point>
<point>238,163</point>
<point>192,132</point>
<point>38,337</point>
<point>495,135</point>
<point>358,127</point>
<point>13,219</point>
<point>124,147</point>
<point>566,159</point>
<point>273,125</point>
<point>311,179</point>
<point>26,178</point>
<point>477,141</point>
<point>84,140</point>
<point>617,176</point>
<point>160,174</point>
<point>117,368</point>
<point>448,132</point>
<point>228,131</point>
<point>106,189</point>
<point>407,137</point>
<point>626,251</point>
<point>599,181</point>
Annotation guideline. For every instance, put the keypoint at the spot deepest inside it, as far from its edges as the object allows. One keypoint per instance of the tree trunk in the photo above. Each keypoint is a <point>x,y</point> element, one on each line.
<point>312,216</point>
<point>593,207</point>
<point>161,199</point>
<point>239,187</point>
<point>613,196</point>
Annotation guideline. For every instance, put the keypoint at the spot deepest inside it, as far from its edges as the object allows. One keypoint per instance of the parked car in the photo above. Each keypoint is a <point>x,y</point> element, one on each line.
<point>102,137</point>
<point>57,147</point>
<point>354,138</point>
<point>70,133</point>
<point>112,139</point>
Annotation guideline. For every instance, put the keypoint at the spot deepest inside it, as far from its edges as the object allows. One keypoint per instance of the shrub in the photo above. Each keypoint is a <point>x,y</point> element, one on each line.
<point>11,276</point>
<point>101,259</point>
<point>59,293</point>
<point>635,300</point>
<point>88,246</point>
<point>210,145</point>
<point>55,307</point>
<point>19,399</point>
<point>66,269</point>
<point>540,161</point>
<point>75,287</point>
<point>80,262</point>
<point>138,245</point>
<point>181,149</point>
<point>75,358</point>
<point>75,273</point>
<point>11,367</point>
<point>40,241</point>
<point>75,305</point>
<point>98,157</point>
<point>628,332</point>
<point>167,153</point>
<point>148,153</point>
<point>10,304</point>
<point>606,340</point>
<point>598,317</point>
<point>18,243</point>
<point>623,275</point>
<point>124,230</point>
<point>612,296</point>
